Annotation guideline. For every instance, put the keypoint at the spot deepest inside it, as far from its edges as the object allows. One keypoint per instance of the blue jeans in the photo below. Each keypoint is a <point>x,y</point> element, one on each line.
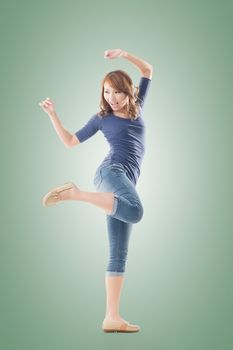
<point>127,210</point>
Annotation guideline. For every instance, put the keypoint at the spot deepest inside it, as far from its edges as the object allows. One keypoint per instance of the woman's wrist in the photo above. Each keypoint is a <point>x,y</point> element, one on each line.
<point>124,54</point>
<point>52,114</point>
<point>141,64</point>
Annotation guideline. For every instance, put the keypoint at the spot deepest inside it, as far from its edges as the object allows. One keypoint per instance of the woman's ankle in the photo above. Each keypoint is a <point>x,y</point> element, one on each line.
<point>112,317</point>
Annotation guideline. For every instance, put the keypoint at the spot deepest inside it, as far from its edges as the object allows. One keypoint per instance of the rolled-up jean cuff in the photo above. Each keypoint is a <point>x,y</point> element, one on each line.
<point>114,273</point>
<point>115,204</point>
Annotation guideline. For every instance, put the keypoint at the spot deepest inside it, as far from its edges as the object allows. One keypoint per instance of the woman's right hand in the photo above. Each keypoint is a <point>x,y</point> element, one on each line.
<point>47,106</point>
<point>113,53</point>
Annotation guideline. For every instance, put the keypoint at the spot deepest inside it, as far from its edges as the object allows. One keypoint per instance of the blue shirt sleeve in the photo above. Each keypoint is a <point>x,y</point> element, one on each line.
<point>144,86</point>
<point>90,129</point>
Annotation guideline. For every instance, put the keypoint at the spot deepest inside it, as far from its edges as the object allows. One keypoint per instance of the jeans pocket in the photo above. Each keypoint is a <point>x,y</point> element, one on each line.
<point>101,172</point>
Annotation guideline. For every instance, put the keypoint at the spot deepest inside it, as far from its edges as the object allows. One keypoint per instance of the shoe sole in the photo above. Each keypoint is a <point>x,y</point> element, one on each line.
<point>59,189</point>
<point>119,331</point>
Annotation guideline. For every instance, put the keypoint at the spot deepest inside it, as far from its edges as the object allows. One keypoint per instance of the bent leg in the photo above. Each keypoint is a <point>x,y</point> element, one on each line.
<point>116,195</point>
<point>127,205</point>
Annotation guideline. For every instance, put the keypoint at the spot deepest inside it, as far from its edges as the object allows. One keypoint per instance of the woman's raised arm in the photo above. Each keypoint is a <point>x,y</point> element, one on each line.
<point>65,136</point>
<point>145,68</point>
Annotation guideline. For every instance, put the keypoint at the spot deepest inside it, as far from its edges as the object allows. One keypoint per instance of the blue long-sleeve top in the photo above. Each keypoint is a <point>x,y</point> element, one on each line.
<point>126,137</point>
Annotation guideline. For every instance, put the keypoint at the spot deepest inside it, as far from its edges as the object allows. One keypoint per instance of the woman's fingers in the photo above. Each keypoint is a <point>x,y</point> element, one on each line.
<point>46,102</point>
<point>112,53</point>
<point>106,53</point>
<point>47,105</point>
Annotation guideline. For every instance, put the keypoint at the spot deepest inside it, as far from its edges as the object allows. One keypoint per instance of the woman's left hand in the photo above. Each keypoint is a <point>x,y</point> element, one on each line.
<point>113,53</point>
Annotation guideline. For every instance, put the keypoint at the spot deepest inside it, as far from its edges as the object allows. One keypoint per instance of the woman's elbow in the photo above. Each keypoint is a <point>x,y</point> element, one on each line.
<point>148,73</point>
<point>73,141</point>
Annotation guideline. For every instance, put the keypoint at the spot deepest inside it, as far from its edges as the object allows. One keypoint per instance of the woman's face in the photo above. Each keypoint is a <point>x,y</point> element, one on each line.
<point>116,99</point>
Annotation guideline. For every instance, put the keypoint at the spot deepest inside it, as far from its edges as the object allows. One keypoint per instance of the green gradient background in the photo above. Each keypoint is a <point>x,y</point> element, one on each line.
<point>178,284</point>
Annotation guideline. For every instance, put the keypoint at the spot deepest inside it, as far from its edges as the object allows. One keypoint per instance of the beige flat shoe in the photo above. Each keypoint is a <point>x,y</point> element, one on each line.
<point>120,327</point>
<point>52,197</point>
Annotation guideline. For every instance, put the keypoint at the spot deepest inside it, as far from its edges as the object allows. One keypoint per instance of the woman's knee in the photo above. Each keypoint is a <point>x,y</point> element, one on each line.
<point>128,210</point>
<point>138,212</point>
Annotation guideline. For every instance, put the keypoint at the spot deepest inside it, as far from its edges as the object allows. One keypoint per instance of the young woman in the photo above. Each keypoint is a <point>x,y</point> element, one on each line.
<point>120,120</point>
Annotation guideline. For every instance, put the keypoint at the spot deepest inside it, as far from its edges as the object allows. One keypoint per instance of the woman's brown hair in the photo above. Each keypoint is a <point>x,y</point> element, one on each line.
<point>120,81</point>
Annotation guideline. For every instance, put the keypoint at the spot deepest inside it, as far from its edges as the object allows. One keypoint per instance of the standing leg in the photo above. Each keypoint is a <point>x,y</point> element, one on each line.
<point>118,235</point>
<point>113,287</point>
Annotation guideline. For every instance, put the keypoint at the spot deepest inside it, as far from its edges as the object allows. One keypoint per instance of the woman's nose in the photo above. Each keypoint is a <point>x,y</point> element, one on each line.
<point>112,100</point>
<point>112,96</point>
